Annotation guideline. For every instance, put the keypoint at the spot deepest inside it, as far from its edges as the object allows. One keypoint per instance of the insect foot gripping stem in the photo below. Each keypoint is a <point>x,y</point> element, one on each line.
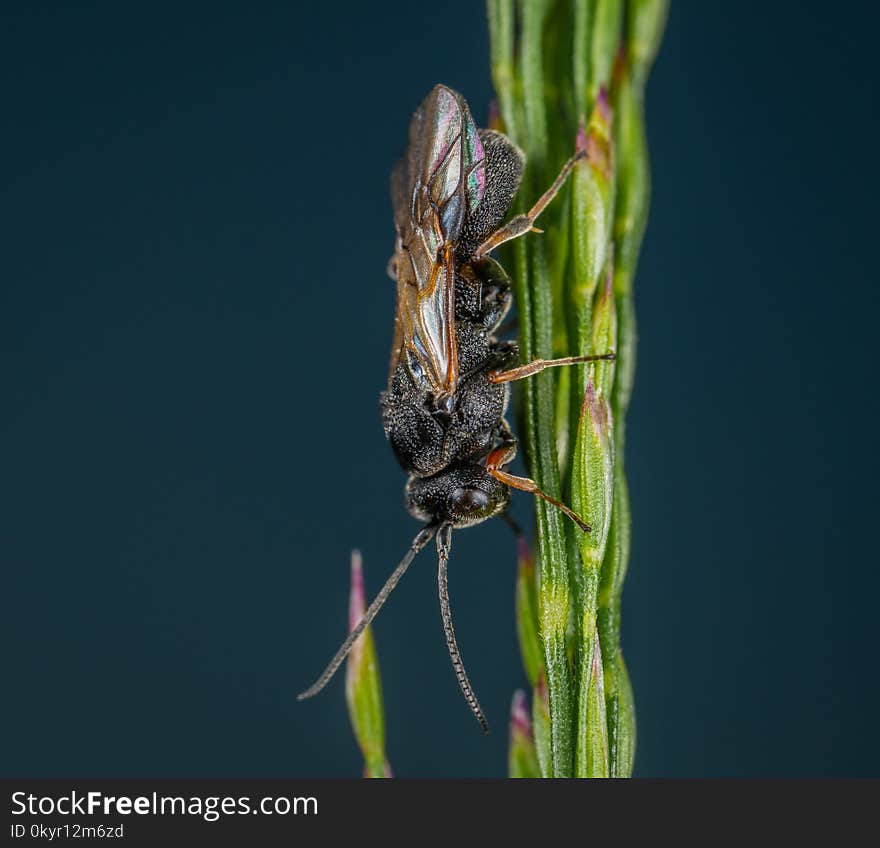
<point>444,544</point>
<point>422,539</point>
<point>503,455</point>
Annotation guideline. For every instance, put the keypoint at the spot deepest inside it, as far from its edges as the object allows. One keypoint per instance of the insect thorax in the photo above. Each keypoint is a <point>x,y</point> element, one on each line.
<point>429,433</point>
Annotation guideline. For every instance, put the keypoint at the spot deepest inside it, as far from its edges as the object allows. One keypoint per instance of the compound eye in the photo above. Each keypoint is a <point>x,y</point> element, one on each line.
<point>467,500</point>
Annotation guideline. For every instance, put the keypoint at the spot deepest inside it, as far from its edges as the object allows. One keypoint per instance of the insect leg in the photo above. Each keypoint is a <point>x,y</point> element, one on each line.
<point>422,539</point>
<point>444,544</point>
<point>538,365</point>
<point>522,224</point>
<point>504,454</point>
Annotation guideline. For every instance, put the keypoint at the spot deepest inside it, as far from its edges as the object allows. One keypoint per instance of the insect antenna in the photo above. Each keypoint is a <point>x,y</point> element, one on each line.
<point>422,538</point>
<point>444,544</point>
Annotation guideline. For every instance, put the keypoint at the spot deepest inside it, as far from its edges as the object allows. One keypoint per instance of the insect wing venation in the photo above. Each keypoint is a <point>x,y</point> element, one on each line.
<point>435,187</point>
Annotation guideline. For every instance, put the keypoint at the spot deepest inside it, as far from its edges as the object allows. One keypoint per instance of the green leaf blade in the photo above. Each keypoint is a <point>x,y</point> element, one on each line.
<point>363,685</point>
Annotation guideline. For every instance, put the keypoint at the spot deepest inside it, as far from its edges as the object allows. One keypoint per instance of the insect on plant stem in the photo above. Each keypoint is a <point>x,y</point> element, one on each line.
<point>451,191</point>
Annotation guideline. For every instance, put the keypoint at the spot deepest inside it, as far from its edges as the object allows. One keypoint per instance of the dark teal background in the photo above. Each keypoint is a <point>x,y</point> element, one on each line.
<point>195,323</point>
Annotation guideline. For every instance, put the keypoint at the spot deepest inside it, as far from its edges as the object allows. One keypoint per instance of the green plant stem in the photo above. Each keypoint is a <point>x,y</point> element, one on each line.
<point>559,65</point>
<point>553,593</point>
<point>522,757</point>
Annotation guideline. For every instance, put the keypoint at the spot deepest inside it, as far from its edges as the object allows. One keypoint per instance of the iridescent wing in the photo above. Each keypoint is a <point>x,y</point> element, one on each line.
<point>435,187</point>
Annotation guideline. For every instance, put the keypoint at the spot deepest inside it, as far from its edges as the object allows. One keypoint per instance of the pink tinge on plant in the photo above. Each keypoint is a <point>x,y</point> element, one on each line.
<point>581,140</point>
<point>603,104</point>
<point>594,138</point>
<point>541,693</point>
<point>607,292</point>
<point>357,604</point>
<point>388,772</point>
<point>357,601</point>
<point>523,553</point>
<point>596,407</point>
<point>520,720</point>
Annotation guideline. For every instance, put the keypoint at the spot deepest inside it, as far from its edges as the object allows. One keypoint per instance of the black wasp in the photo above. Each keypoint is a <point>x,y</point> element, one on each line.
<point>443,410</point>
